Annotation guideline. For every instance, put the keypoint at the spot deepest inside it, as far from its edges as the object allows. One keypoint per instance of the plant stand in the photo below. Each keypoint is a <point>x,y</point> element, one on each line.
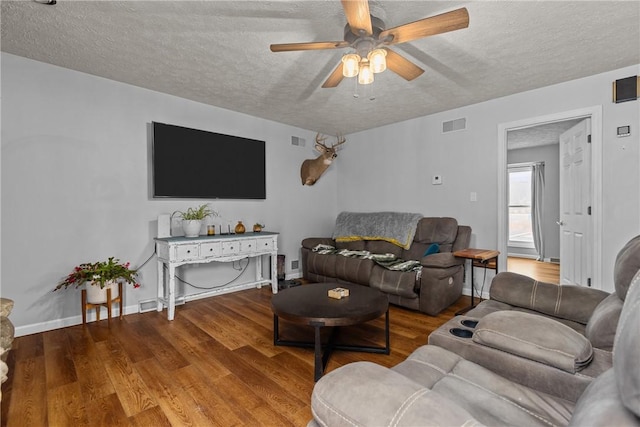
<point>88,306</point>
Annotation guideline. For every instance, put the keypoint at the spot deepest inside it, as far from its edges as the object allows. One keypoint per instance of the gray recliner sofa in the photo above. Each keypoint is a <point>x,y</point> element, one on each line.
<point>591,312</point>
<point>437,285</point>
<point>520,368</point>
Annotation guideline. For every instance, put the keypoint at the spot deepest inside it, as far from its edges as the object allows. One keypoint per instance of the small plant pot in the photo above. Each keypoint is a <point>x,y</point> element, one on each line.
<point>98,295</point>
<point>191,227</point>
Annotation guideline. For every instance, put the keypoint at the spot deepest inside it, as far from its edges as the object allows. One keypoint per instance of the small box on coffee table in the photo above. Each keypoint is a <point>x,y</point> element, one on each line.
<point>338,293</point>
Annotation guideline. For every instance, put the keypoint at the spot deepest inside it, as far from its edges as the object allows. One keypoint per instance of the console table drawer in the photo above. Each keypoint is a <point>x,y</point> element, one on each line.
<point>247,246</point>
<point>230,248</point>
<point>265,244</point>
<point>210,249</point>
<point>187,252</point>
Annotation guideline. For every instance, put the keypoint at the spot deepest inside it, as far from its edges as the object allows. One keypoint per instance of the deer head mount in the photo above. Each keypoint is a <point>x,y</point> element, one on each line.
<point>311,169</point>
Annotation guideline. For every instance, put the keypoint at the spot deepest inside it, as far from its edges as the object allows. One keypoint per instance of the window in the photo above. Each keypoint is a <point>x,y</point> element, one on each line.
<point>520,223</point>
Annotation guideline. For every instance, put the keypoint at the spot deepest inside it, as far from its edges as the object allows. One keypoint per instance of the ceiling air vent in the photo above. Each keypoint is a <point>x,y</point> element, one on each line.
<point>295,140</point>
<point>454,125</point>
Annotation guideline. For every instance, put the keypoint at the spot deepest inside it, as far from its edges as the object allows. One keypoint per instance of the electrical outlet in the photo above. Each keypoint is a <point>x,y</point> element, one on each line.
<point>295,264</point>
<point>436,180</point>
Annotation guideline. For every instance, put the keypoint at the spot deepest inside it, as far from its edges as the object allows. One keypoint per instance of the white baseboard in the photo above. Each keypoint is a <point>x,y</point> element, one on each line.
<point>70,321</point>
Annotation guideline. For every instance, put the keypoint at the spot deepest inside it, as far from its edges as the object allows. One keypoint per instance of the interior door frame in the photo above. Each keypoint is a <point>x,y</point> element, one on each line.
<point>595,113</point>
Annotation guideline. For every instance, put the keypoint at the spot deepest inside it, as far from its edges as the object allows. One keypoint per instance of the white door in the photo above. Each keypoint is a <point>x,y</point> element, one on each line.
<point>575,205</point>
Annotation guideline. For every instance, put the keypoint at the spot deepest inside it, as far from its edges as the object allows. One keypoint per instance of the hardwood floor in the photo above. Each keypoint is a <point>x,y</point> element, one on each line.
<point>215,364</point>
<point>542,271</point>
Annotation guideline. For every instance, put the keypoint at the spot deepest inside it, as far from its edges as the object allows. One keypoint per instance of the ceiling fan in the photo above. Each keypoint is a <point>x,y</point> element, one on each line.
<point>368,37</point>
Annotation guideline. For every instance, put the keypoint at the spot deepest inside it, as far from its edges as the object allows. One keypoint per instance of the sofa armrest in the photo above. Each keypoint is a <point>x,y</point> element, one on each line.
<point>440,260</point>
<point>574,303</point>
<point>363,393</point>
<point>312,242</point>
<point>534,337</point>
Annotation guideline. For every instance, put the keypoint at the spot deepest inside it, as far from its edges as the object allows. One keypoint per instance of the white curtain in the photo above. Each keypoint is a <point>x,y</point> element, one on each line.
<point>537,206</point>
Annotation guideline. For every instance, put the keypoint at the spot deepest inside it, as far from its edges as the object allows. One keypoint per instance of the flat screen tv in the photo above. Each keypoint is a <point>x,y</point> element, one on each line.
<point>191,163</point>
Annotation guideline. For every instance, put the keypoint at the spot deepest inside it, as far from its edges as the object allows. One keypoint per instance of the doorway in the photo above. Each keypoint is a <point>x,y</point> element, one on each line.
<point>510,137</point>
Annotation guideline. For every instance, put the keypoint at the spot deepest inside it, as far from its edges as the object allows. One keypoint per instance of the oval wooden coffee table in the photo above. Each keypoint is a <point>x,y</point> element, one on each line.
<point>310,305</point>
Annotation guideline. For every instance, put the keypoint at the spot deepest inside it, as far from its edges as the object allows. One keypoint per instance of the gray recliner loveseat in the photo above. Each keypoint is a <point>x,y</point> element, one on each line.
<point>436,285</point>
<point>519,368</point>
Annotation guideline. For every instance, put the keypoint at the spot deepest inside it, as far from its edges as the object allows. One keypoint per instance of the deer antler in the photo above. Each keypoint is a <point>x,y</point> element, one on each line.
<point>341,140</point>
<point>320,140</point>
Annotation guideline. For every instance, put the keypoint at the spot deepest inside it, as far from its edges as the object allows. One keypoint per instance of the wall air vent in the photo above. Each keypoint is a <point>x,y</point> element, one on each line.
<point>454,125</point>
<point>295,140</point>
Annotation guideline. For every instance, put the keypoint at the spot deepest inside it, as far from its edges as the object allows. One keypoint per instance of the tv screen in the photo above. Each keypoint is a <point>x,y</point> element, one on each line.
<point>190,163</point>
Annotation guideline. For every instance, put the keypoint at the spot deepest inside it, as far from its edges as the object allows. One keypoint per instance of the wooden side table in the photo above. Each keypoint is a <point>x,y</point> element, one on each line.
<point>483,258</point>
<point>88,306</point>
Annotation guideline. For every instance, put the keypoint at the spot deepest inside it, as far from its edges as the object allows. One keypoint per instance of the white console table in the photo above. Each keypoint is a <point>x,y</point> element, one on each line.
<point>176,251</point>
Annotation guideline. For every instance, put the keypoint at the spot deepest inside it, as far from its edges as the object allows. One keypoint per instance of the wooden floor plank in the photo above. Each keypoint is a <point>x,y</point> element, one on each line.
<point>58,360</point>
<point>66,407</point>
<point>215,364</point>
<point>28,397</point>
<point>132,391</point>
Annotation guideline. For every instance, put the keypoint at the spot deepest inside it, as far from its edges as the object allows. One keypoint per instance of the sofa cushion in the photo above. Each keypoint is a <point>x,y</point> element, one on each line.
<point>626,266</point>
<point>536,338</point>
<point>354,270</point>
<point>626,357</point>
<point>343,397</point>
<point>356,245</point>
<point>437,230</point>
<point>574,303</point>
<point>488,397</point>
<point>394,282</point>
<point>601,329</point>
<point>323,265</point>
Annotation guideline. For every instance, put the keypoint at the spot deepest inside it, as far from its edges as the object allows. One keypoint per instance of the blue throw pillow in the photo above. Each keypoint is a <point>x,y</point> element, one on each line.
<point>433,248</point>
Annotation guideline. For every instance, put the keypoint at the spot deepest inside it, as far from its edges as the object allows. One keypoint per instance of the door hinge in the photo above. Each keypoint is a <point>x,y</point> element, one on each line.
<point>589,282</point>
<point>589,139</point>
<point>589,210</point>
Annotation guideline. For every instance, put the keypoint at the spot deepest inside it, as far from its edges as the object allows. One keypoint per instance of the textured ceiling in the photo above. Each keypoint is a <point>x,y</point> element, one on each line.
<point>534,136</point>
<point>217,52</point>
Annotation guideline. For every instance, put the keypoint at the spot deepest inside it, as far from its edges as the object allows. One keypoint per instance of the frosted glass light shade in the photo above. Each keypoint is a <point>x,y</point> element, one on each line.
<point>365,76</point>
<point>377,59</point>
<point>350,64</point>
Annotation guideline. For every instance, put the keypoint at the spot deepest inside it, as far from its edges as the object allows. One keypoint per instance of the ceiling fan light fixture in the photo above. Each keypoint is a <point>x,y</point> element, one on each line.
<point>350,65</point>
<point>365,76</point>
<point>377,59</point>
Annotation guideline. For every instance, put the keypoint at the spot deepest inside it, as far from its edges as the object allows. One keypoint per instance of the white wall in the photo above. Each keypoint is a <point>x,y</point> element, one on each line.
<point>391,167</point>
<point>75,189</point>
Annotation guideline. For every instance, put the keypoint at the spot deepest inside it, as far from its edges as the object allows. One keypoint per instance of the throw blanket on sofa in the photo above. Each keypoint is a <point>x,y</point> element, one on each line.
<point>394,227</point>
<point>388,261</point>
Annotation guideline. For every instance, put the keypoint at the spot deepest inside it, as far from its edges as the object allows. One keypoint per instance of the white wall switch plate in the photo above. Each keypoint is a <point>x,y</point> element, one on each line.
<point>436,180</point>
<point>473,197</point>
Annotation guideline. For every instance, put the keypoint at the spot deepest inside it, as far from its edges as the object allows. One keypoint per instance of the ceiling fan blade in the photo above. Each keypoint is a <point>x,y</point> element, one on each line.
<point>335,78</point>
<point>445,22</point>
<point>358,16</point>
<point>288,47</point>
<point>402,66</point>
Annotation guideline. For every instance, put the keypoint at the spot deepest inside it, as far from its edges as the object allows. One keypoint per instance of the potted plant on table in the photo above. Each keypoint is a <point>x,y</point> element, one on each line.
<point>192,219</point>
<point>98,277</point>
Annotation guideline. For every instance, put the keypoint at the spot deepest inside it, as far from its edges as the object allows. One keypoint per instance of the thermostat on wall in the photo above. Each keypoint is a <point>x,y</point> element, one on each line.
<point>624,131</point>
